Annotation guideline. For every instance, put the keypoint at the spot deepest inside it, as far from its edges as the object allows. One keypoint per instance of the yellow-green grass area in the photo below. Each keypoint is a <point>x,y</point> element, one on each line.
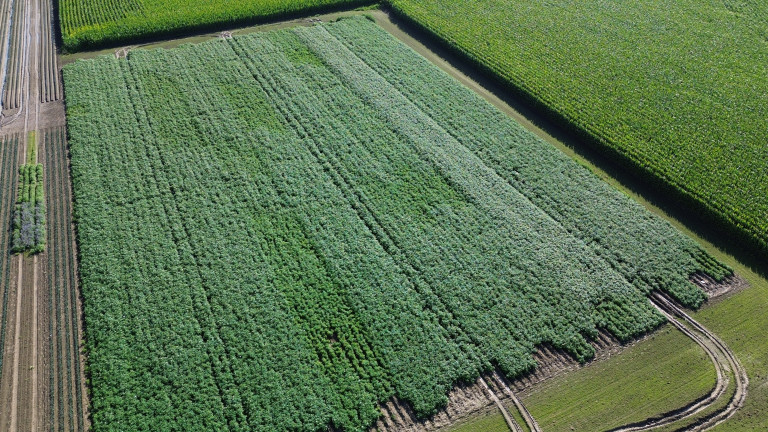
<point>741,321</point>
<point>518,418</point>
<point>493,422</point>
<point>662,373</point>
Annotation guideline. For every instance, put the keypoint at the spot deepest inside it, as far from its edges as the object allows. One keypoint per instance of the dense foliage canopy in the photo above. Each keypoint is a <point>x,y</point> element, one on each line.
<point>94,23</point>
<point>281,230</point>
<point>677,89</point>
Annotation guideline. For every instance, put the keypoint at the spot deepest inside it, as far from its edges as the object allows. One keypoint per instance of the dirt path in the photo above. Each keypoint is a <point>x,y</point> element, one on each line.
<point>533,426</point>
<point>507,416</point>
<point>725,355</point>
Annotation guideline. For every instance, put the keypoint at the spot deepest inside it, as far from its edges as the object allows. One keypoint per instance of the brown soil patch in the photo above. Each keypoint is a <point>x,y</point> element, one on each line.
<point>715,289</point>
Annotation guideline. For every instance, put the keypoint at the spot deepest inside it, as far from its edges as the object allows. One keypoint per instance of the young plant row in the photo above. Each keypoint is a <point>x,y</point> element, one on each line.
<point>289,235</point>
<point>9,172</point>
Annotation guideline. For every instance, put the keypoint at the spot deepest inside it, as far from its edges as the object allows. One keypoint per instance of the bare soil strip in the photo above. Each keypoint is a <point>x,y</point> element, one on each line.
<point>715,289</point>
<point>6,379</point>
<point>8,187</point>
<point>14,376</point>
<point>70,410</point>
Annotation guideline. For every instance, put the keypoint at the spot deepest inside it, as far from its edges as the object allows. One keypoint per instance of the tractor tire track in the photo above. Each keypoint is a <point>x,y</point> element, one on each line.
<point>513,426</point>
<point>726,364</point>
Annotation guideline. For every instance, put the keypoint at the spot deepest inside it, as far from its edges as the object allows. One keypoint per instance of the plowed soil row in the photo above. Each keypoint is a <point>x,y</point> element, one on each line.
<point>8,180</point>
<point>67,407</point>
<point>9,280</point>
<point>6,17</point>
<point>50,85</point>
<point>14,75</point>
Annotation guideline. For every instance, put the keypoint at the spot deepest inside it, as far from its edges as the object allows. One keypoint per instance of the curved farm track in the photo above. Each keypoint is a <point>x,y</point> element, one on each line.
<point>701,412</point>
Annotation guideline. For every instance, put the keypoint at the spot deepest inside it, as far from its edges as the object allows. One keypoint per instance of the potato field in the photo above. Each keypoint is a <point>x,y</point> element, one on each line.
<point>677,90</point>
<point>314,220</point>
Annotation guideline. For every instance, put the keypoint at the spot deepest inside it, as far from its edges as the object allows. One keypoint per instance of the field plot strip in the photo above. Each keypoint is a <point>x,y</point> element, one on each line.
<point>294,238</point>
<point>550,182</point>
<point>9,162</point>
<point>42,386</point>
<point>6,17</point>
<point>13,91</point>
<point>48,76</point>
<point>66,391</point>
<point>10,280</point>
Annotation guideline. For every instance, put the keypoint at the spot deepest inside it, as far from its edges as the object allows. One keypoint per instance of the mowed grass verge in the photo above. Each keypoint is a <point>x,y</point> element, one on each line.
<point>664,372</point>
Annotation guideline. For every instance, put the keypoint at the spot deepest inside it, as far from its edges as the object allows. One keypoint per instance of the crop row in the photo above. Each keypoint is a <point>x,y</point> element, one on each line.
<point>66,398</point>
<point>12,91</point>
<point>286,236</point>
<point>9,157</point>
<point>685,111</point>
<point>50,85</point>
<point>6,15</point>
<point>93,23</point>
